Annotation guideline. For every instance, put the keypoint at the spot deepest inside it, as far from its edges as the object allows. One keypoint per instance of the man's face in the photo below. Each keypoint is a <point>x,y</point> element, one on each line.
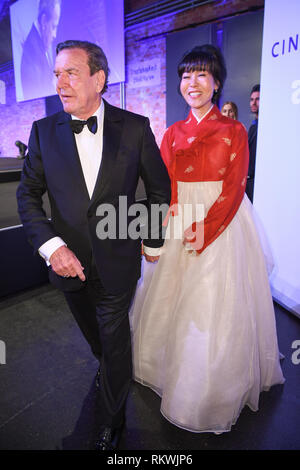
<point>49,26</point>
<point>254,102</point>
<point>78,90</point>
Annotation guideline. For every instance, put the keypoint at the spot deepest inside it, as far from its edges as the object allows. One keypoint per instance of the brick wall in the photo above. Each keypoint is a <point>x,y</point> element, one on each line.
<point>143,42</point>
<point>15,118</point>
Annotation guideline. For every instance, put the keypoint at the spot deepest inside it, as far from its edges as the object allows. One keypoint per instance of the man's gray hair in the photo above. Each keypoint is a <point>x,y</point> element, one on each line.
<point>46,7</point>
<point>96,58</point>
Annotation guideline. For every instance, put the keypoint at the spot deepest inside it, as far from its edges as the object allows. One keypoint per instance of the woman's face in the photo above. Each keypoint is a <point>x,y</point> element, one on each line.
<point>228,111</point>
<point>197,89</point>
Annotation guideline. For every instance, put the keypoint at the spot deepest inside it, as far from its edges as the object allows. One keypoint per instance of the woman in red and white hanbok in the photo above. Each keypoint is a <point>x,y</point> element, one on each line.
<point>203,325</point>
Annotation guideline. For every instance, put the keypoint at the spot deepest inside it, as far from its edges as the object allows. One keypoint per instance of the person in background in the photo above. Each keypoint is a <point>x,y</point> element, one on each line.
<point>203,322</point>
<point>86,157</point>
<point>37,62</point>
<point>252,140</point>
<point>230,109</point>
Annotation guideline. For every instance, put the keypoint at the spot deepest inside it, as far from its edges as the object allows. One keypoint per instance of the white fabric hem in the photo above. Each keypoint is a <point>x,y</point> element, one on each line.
<point>210,430</point>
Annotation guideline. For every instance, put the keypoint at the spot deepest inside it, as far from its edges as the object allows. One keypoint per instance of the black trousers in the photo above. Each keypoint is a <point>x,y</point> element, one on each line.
<point>103,320</point>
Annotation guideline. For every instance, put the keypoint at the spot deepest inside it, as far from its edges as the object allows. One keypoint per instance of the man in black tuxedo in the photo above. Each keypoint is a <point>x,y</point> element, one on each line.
<point>252,140</point>
<point>37,61</point>
<point>85,172</point>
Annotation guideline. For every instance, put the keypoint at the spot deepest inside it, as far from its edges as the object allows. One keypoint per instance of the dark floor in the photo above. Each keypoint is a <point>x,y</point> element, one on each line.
<point>48,399</point>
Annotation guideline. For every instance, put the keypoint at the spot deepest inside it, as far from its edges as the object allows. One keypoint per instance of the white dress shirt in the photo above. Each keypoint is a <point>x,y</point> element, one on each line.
<point>89,148</point>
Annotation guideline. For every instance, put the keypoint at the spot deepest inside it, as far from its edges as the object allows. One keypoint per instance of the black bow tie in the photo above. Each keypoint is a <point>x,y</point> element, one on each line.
<point>77,125</point>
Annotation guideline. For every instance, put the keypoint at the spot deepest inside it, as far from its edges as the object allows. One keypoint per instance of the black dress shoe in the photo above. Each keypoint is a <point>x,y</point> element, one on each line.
<point>97,378</point>
<point>109,438</point>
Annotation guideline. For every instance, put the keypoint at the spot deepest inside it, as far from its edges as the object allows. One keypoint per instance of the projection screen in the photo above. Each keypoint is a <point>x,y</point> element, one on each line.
<point>38,25</point>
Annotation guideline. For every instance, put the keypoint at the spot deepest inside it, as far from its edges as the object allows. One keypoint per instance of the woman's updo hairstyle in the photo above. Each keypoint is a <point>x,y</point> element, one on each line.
<point>205,58</point>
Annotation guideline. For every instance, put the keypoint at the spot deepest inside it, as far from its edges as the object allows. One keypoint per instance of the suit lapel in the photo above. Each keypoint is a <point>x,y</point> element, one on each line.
<point>68,151</point>
<point>112,131</point>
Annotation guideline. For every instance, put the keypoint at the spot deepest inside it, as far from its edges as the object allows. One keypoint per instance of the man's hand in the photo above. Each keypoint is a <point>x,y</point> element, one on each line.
<point>151,259</point>
<point>66,264</point>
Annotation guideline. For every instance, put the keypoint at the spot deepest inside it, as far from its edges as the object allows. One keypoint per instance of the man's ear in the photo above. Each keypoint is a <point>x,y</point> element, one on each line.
<point>100,80</point>
<point>42,21</point>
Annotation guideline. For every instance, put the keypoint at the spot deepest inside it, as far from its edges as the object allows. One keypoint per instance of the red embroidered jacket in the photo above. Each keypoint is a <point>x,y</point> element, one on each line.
<point>213,150</point>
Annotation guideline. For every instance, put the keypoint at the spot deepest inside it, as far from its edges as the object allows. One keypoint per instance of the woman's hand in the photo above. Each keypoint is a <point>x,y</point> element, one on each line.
<point>193,238</point>
<point>151,259</point>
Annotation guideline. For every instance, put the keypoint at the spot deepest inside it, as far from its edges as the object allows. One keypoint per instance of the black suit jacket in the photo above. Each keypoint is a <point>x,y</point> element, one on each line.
<point>36,73</point>
<point>53,165</point>
<point>252,141</point>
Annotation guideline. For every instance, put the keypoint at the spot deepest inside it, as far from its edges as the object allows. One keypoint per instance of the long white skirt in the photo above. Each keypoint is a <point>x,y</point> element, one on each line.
<point>203,327</point>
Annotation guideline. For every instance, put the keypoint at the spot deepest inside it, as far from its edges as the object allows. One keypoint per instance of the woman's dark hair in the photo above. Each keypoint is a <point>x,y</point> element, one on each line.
<point>208,58</point>
<point>96,58</point>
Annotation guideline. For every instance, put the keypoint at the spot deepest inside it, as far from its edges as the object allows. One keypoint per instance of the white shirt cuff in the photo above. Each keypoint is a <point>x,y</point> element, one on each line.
<point>48,248</point>
<point>152,251</point>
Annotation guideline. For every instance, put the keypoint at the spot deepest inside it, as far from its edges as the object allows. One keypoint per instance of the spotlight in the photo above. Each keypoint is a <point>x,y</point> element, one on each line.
<point>22,149</point>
